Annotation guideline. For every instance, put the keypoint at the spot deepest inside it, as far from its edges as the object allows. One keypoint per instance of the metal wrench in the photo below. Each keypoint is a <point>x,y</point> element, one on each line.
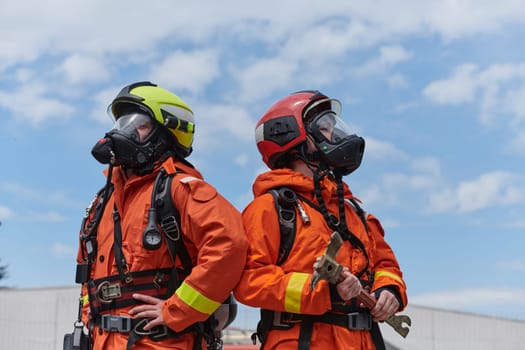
<point>329,269</point>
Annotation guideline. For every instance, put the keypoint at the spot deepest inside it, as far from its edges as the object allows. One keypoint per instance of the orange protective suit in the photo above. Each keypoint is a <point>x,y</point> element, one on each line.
<point>212,232</point>
<point>286,288</point>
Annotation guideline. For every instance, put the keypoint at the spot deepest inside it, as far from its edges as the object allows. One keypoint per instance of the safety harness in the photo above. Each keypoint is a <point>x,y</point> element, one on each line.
<point>349,315</point>
<point>114,292</point>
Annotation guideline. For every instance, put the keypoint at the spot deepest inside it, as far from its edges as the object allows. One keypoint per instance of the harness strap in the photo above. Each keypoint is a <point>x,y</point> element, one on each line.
<point>377,337</point>
<point>135,328</point>
<point>110,293</point>
<point>346,234</point>
<point>305,334</point>
<point>169,218</point>
<point>358,321</point>
<point>120,259</point>
<point>284,200</point>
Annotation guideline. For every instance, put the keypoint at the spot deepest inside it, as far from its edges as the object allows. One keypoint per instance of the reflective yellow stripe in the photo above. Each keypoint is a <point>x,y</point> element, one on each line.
<point>294,290</point>
<point>196,300</point>
<point>85,300</point>
<point>391,275</point>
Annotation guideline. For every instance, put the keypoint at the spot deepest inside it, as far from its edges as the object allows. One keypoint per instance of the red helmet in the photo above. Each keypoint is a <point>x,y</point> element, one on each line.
<point>282,127</point>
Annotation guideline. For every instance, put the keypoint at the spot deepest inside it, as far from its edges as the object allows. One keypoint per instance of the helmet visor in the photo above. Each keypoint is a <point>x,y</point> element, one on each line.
<point>328,127</point>
<point>136,126</point>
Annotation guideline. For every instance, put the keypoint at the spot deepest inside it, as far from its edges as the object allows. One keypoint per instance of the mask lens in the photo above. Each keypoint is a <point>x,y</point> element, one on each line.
<point>330,128</point>
<point>136,126</point>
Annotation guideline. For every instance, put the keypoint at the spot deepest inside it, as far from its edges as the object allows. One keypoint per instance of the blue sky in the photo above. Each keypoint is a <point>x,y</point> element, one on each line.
<point>437,89</point>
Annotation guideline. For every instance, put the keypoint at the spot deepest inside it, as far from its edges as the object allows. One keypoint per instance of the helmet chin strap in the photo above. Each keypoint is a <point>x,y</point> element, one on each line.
<point>313,161</point>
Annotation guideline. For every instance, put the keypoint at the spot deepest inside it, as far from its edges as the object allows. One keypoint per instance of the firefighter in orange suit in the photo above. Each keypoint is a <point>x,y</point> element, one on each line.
<point>309,149</point>
<point>151,285</point>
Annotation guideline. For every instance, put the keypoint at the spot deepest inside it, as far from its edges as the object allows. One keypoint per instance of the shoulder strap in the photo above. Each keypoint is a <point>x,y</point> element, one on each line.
<point>169,219</point>
<point>284,200</point>
<point>360,212</point>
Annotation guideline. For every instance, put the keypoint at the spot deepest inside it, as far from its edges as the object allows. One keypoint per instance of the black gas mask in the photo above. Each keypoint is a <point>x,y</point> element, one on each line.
<point>340,150</point>
<point>135,142</point>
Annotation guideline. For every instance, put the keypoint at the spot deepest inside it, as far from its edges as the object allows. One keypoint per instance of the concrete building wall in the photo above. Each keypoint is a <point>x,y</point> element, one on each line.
<point>39,318</point>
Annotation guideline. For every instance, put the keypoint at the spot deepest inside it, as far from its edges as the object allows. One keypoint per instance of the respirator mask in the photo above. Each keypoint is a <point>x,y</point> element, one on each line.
<point>336,146</point>
<point>131,142</point>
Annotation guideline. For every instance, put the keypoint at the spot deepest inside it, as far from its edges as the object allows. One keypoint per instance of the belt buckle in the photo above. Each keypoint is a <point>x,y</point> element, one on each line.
<point>113,323</point>
<point>283,320</point>
<point>106,292</point>
<point>359,321</point>
<point>157,332</point>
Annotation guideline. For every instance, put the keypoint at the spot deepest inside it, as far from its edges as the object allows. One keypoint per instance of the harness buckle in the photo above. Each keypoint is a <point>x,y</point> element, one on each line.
<point>113,323</point>
<point>171,228</point>
<point>283,320</point>
<point>359,321</point>
<point>159,277</point>
<point>155,333</point>
<point>106,292</point>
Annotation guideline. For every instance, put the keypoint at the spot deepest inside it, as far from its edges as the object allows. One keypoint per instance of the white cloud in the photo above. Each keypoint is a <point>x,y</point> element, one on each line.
<point>516,265</point>
<point>499,91</point>
<point>398,81</point>
<point>101,101</point>
<point>491,189</point>
<point>514,103</point>
<point>496,86</point>
<point>517,143</point>
<point>5,213</point>
<point>121,29</point>
<point>427,165</point>
<point>457,89</point>
<point>32,105</point>
<point>186,71</point>
<point>263,77</point>
<point>379,149</point>
<point>454,19</point>
<point>217,123</point>
<point>388,57</point>
<point>82,69</point>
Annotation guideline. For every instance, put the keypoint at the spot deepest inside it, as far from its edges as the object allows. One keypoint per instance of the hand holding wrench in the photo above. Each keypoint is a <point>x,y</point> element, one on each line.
<point>329,269</point>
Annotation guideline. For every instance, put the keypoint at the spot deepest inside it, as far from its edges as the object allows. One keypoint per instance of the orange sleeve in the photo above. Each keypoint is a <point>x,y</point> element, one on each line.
<point>267,285</point>
<point>385,266</point>
<point>214,237</point>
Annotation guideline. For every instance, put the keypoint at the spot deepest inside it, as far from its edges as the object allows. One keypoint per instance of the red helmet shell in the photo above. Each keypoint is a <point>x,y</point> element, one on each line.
<point>281,128</point>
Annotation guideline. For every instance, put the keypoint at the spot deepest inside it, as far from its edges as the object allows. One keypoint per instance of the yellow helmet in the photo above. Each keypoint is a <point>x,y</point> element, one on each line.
<point>162,105</point>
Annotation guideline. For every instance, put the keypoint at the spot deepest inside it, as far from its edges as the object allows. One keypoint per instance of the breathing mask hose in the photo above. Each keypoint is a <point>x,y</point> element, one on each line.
<point>331,220</point>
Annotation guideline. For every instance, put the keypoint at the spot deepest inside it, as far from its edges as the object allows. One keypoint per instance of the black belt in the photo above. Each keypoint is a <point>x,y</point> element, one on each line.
<point>133,327</point>
<point>125,324</point>
<point>360,321</point>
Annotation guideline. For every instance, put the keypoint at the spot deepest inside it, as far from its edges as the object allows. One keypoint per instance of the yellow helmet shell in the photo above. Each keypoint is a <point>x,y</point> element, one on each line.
<point>164,106</point>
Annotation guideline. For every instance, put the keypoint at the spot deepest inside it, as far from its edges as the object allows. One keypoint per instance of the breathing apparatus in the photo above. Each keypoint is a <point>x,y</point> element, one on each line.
<point>150,123</point>
<point>125,145</point>
<point>337,148</point>
<point>284,130</point>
